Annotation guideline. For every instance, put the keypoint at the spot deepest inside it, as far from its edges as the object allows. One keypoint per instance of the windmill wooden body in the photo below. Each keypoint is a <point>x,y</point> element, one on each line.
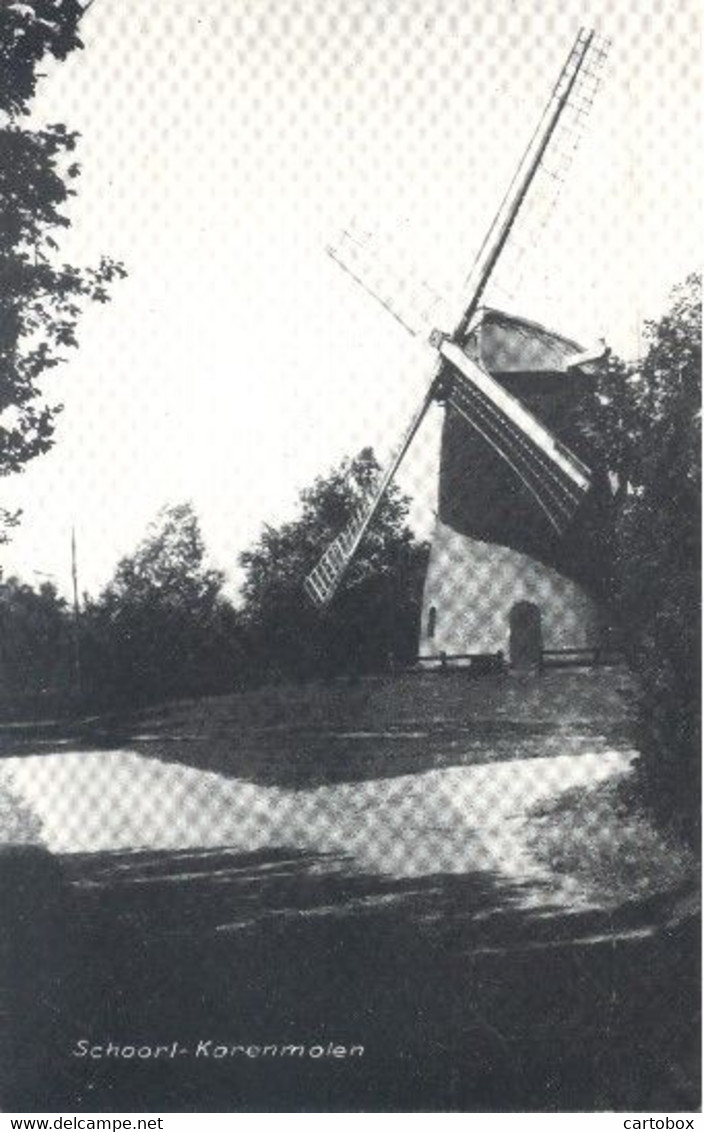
<point>518,499</point>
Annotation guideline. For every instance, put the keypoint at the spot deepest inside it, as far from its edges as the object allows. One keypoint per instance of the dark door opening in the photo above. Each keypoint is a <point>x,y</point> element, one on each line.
<point>526,637</point>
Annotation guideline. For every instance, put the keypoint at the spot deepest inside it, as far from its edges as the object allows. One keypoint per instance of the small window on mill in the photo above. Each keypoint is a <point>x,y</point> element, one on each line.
<point>432,621</point>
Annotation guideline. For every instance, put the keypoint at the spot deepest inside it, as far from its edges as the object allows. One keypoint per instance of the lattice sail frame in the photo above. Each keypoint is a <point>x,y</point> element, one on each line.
<point>553,475</point>
<point>322,582</point>
<point>555,164</point>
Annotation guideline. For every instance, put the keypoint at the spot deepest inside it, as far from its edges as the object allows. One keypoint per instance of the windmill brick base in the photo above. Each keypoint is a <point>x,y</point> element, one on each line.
<point>473,596</point>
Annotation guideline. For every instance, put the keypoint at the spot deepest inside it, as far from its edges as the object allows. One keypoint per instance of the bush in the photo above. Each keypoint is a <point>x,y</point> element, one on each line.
<point>646,421</point>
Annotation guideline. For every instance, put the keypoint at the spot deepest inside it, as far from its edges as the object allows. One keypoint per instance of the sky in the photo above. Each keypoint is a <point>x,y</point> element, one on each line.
<point>225,143</point>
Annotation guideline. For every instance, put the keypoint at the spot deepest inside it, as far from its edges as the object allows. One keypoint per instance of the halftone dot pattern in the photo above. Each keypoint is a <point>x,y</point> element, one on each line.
<point>443,822</point>
<point>224,144</point>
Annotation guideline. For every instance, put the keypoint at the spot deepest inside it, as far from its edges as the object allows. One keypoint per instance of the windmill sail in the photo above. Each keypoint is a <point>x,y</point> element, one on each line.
<point>519,253</point>
<point>555,477</point>
<point>541,172</point>
<point>322,582</point>
<point>552,474</point>
<point>407,297</point>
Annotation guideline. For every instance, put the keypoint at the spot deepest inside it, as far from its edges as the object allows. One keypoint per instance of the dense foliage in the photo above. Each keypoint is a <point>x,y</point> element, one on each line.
<point>372,624</point>
<point>646,422</point>
<point>36,642</point>
<point>29,31</point>
<point>41,298</point>
<point>162,628</point>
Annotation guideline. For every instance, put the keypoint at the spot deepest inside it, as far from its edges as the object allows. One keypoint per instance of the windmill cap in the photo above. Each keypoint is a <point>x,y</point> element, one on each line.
<point>508,343</point>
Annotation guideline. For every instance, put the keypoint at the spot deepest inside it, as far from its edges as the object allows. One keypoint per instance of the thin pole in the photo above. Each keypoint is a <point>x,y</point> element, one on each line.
<point>76,617</point>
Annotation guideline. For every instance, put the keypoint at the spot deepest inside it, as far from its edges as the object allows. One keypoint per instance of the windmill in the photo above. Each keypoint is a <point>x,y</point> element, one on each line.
<point>504,430</point>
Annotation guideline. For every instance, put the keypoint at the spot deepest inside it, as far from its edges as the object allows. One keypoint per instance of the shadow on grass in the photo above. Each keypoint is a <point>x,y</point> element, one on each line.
<point>431,975</point>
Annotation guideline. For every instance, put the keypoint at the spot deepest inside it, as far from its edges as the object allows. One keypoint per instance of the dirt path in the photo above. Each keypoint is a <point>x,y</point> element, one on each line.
<point>454,820</point>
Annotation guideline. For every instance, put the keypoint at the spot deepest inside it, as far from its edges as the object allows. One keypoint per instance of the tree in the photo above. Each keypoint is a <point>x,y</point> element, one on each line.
<point>29,32</point>
<point>373,618</point>
<point>40,298</point>
<point>36,642</point>
<point>162,627</point>
<point>646,422</point>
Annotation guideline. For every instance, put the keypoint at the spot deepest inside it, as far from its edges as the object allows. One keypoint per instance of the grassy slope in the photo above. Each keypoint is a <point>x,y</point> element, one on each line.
<point>369,728</point>
<point>298,736</point>
<point>604,837</point>
<point>559,697</point>
<point>310,734</point>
